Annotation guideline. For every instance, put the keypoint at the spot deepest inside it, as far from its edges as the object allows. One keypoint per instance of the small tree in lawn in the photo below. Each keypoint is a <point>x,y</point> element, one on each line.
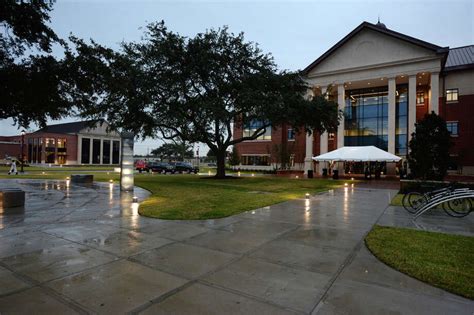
<point>234,157</point>
<point>429,148</point>
<point>194,89</point>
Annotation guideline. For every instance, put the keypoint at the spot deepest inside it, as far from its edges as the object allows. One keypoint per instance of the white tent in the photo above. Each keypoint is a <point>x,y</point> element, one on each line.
<point>358,154</point>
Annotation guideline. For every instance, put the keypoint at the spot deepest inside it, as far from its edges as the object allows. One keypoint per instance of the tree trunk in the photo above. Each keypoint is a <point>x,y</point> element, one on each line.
<point>220,156</point>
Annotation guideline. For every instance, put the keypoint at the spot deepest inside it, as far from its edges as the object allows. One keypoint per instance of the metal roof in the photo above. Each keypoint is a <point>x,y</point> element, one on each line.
<point>74,127</point>
<point>460,58</point>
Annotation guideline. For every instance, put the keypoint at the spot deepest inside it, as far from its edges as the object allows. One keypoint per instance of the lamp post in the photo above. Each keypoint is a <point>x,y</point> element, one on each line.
<point>23,133</point>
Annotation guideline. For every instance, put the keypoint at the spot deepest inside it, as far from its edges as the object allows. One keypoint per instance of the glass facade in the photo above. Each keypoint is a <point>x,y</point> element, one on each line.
<point>106,152</point>
<point>50,150</point>
<point>401,120</point>
<point>366,118</point>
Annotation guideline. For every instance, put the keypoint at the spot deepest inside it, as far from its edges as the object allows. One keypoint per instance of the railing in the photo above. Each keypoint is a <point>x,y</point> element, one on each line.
<point>455,202</point>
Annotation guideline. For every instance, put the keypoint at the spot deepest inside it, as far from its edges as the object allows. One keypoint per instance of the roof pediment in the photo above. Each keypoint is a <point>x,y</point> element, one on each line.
<point>370,45</point>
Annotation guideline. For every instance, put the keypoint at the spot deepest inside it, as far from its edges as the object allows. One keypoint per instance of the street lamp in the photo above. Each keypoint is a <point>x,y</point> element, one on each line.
<point>23,133</point>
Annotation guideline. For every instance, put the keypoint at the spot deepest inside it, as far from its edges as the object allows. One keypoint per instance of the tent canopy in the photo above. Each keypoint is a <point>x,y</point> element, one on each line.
<point>358,154</point>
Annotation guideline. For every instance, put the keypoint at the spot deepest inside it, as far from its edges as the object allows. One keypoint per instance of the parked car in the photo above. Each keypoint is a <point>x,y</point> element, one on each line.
<point>182,167</point>
<point>161,167</point>
<point>141,166</point>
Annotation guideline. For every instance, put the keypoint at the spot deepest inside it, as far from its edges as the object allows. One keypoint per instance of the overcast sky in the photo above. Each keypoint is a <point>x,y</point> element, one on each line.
<point>294,32</point>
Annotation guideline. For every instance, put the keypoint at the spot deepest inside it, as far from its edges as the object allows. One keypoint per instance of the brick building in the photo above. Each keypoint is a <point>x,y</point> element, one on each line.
<point>84,142</point>
<point>384,82</point>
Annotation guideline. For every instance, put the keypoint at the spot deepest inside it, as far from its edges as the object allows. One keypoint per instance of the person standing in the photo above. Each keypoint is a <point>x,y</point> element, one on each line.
<point>13,168</point>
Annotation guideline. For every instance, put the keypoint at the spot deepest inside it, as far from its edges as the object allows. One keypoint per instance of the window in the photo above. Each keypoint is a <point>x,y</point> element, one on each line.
<point>453,128</point>
<point>254,125</point>
<point>291,134</point>
<point>452,95</point>
<point>96,151</point>
<point>260,160</point>
<point>115,152</point>
<point>420,98</point>
<point>85,150</point>
<point>50,148</point>
<point>106,152</point>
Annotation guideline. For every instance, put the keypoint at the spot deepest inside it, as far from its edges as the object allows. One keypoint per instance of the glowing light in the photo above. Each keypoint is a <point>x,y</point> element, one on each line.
<point>352,178</point>
<point>43,173</point>
<point>135,199</point>
<point>111,181</point>
<point>238,173</point>
<point>297,177</point>
<point>307,195</point>
<point>134,210</point>
<point>108,173</point>
<point>209,173</point>
<point>352,185</point>
<point>117,169</point>
<point>345,184</point>
<point>253,174</point>
<point>67,178</point>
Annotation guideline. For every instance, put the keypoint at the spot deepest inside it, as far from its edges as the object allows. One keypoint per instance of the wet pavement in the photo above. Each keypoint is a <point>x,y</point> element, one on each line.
<point>85,249</point>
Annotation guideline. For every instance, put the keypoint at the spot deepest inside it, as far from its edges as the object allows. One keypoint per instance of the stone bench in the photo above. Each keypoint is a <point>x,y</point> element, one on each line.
<point>82,178</point>
<point>11,198</point>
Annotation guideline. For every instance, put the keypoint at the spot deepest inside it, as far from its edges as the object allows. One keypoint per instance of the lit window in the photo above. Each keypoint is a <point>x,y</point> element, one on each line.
<point>291,134</point>
<point>420,98</point>
<point>452,95</point>
<point>453,128</point>
<point>253,126</point>
<point>331,136</point>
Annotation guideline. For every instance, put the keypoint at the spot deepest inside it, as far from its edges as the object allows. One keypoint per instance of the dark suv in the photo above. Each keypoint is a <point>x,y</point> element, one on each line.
<point>182,167</point>
<point>161,167</point>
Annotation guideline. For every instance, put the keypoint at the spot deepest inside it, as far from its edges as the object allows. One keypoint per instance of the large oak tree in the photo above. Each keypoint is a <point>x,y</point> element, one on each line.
<point>31,85</point>
<point>193,89</point>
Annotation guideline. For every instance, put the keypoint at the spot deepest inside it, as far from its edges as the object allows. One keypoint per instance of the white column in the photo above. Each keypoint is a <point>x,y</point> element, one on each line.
<point>91,150</point>
<point>411,105</point>
<point>79,149</point>
<point>323,143</point>
<point>392,87</point>
<point>101,157</point>
<point>434,101</point>
<point>308,161</point>
<point>341,105</point>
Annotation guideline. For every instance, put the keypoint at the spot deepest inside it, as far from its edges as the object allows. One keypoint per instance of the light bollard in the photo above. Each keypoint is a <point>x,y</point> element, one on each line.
<point>126,174</point>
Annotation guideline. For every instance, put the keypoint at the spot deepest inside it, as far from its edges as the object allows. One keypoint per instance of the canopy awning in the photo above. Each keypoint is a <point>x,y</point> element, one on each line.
<point>358,154</point>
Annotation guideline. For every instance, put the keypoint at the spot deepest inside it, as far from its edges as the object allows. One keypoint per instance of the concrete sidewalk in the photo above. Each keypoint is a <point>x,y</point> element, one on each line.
<point>79,249</point>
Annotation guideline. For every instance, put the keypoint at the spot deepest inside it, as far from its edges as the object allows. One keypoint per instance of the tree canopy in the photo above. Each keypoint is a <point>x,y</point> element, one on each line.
<point>174,151</point>
<point>31,87</point>
<point>429,148</point>
<point>193,89</point>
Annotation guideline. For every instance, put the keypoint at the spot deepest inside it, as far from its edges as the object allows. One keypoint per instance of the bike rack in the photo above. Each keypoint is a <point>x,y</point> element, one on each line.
<point>444,197</point>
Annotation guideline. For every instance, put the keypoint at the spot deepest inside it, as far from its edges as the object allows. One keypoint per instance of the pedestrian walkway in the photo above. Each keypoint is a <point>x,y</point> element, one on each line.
<point>84,249</point>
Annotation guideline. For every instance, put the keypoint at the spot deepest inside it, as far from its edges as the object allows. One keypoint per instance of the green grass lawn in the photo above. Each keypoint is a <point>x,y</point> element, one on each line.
<point>442,260</point>
<point>193,197</point>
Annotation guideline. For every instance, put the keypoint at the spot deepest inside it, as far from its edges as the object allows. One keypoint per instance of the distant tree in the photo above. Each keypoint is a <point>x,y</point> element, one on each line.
<point>234,157</point>
<point>429,148</point>
<point>174,151</point>
<point>193,89</point>
<point>32,88</point>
